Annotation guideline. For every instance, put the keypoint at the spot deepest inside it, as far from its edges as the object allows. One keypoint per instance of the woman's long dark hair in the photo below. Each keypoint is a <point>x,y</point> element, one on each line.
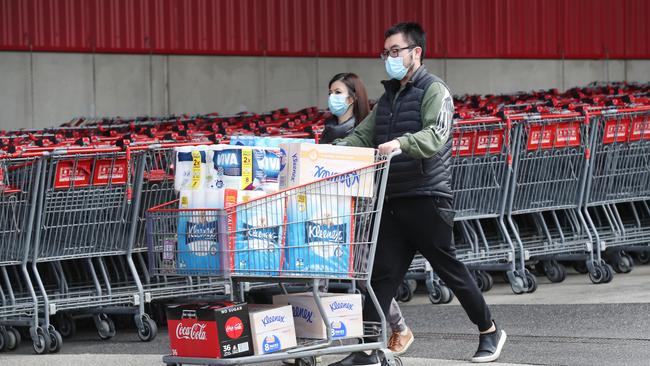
<point>357,91</point>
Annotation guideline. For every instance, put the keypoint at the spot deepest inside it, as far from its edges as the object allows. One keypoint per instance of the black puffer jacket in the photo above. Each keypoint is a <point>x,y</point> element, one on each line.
<point>333,130</point>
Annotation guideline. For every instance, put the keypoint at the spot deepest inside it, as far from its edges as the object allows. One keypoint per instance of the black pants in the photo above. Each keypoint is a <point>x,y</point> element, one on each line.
<point>423,224</point>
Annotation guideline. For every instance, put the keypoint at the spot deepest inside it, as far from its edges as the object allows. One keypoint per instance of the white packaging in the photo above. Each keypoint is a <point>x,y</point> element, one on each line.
<point>272,328</point>
<point>344,312</point>
<point>183,172</point>
<point>304,163</point>
<point>214,185</point>
<point>190,175</point>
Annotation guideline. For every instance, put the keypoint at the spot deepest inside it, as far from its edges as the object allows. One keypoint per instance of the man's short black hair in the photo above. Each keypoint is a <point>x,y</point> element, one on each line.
<point>412,32</point>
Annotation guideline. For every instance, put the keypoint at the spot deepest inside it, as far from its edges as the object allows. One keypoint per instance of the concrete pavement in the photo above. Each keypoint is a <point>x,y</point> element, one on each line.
<point>572,323</point>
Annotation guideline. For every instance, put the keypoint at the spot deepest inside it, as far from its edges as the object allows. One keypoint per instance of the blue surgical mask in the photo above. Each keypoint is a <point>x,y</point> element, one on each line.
<point>395,67</point>
<point>337,104</point>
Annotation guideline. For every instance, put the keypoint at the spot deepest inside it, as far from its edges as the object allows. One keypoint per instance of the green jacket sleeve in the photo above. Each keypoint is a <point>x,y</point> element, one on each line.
<point>363,135</point>
<point>437,114</point>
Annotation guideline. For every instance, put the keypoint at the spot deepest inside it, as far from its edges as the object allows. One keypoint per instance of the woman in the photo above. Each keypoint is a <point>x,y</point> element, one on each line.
<point>348,102</point>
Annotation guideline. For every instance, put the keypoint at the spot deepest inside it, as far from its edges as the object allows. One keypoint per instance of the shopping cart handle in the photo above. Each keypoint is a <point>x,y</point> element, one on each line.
<point>391,155</point>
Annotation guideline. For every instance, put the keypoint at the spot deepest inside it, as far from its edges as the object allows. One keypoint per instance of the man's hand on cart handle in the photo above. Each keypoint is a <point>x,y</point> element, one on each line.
<point>388,147</point>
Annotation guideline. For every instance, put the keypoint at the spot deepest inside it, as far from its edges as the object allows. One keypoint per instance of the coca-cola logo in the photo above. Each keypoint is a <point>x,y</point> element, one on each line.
<point>195,332</point>
<point>234,327</point>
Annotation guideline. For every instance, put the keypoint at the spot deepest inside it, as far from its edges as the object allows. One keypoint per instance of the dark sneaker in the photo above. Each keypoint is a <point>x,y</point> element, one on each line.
<point>359,359</point>
<point>490,346</point>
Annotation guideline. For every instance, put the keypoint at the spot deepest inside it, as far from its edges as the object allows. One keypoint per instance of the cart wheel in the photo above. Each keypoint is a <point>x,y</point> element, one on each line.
<point>597,274</point>
<point>105,327</point>
<point>626,264</point>
<point>10,343</point>
<point>149,329</point>
<point>643,257</point>
<point>398,361</point>
<point>3,341</point>
<point>447,295</point>
<point>16,335</point>
<point>435,294</point>
<point>619,262</point>
<point>562,271</point>
<point>404,293</point>
<point>42,343</point>
<point>306,361</point>
<point>488,280</point>
<point>609,273</point>
<point>56,341</point>
<point>554,271</point>
<point>517,285</point>
<point>531,282</point>
<point>66,325</point>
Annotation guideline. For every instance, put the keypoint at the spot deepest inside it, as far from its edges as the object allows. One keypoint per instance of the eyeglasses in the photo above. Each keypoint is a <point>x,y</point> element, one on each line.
<point>394,52</point>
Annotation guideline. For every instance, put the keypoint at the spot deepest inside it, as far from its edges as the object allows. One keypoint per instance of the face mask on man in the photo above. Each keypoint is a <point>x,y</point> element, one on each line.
<point>337,104</point>
<point>395,67</point>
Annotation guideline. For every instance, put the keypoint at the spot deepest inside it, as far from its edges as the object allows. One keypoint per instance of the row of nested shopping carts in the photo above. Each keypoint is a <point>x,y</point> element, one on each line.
<point>72,219</point>
<point>537,178</point>
<point>541,180</point>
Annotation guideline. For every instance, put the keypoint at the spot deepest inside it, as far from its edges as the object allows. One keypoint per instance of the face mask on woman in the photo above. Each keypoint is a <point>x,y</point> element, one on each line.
<point>337,104</point>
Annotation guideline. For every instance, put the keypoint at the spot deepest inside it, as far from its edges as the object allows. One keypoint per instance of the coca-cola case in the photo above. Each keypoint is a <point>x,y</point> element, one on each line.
<point>216,330</point>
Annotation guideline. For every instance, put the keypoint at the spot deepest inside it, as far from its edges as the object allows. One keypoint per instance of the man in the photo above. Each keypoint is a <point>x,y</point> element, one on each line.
<point>415,115</point>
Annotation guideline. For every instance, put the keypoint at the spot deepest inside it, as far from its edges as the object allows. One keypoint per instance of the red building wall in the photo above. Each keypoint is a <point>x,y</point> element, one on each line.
<point>339,28</point>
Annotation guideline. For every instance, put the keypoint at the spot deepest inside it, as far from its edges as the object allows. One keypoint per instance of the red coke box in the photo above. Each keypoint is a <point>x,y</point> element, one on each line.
<point>215,330</point>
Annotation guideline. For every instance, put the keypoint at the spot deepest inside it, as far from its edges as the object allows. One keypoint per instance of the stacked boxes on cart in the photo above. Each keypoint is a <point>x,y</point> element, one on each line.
<point>228,330</point>
<point>307,233</point>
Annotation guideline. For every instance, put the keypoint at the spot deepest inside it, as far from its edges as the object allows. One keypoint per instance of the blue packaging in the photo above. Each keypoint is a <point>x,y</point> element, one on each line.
<point>257,237</point>
<point>320,229</point>
<point>198,250</point>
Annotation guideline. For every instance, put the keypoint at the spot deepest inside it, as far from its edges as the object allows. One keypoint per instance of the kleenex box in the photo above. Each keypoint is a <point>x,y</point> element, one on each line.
<point>272,328</point>
<point>304,163</point>
<point>343,311</point>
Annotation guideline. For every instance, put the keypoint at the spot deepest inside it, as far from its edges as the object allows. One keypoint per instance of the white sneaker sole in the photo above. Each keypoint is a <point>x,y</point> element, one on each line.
<point>496,354</point>
<point>406,347</point>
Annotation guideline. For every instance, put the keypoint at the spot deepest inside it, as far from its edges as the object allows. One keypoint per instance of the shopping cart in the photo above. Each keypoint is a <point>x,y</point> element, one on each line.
<point>19,187</point>
<point>84,211</point>
<point>543,211</point>
<point>481,169</point>
<point>346,222</point>
<point>618,188</point>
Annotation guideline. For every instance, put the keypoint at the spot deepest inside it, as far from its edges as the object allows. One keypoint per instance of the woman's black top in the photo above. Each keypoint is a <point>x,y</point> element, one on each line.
<point>333,130</point>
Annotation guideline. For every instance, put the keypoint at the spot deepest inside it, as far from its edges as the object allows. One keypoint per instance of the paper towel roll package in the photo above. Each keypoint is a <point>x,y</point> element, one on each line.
<point>248,168</point>
<point>198,248</point>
